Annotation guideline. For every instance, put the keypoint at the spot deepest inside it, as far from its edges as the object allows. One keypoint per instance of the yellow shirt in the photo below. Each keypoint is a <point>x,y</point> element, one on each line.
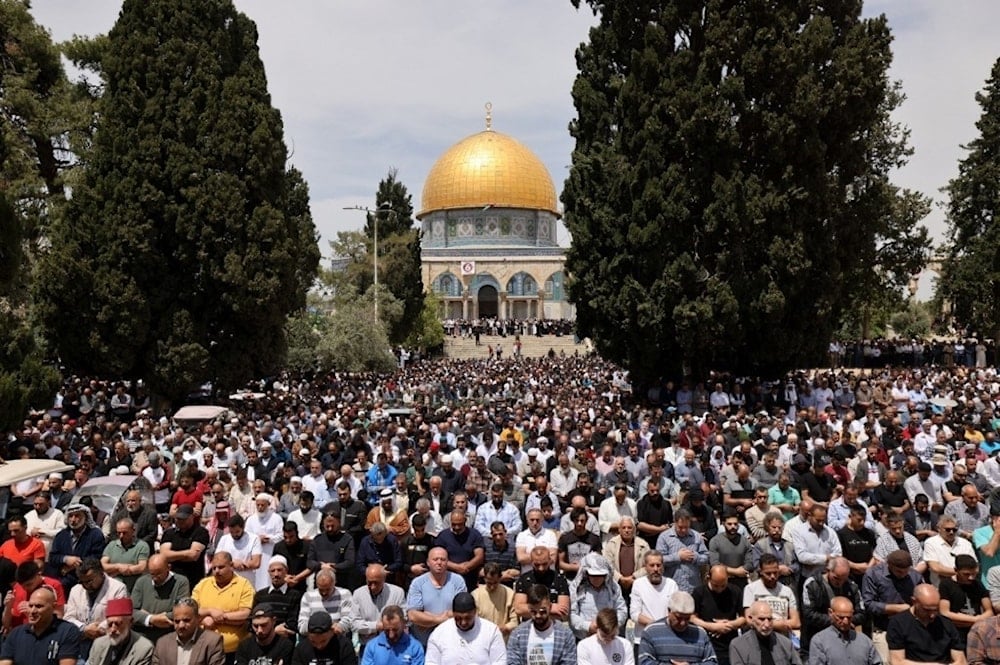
<point>497,607</point>
<point>235,596</point>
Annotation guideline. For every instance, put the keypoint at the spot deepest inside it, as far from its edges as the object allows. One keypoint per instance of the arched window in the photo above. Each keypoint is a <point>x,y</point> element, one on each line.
<point>446,284</point>
<point>554,287</point>
<point>522,284</point>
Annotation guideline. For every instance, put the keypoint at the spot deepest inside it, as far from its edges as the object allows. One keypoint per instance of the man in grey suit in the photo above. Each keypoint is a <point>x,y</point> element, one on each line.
<point>202,647</point>
<point>748,647</point>
<point>121,645</point>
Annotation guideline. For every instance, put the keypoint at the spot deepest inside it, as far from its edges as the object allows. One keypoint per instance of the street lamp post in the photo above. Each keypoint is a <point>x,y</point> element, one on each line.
<point>386,208</point>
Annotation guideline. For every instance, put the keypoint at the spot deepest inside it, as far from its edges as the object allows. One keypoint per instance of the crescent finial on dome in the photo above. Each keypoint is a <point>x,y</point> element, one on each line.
<point>489,116</point>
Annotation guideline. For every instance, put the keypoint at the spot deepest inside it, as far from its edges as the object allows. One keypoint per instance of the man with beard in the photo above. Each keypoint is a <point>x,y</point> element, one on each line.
<point>544,574</point>
<point>654,515</point>
<point>86,602</point>
<point>184,545</point>
<point>465,547</point>
<point>280,598</point>
<point>45,521</point>
<point>576,544</point>
<point>732,550</point>
<point>650,595</point>
<point>466,638</point>
<point>541,640</point>
<point>350,511</point>
<point>333,550</point>
<point>143,515</point>
<point>307,520</point>
<point>120,645</point>
<point>267,525</point>
<point>498,509</point>
<point>393,645</point>
<point>295,552</point>
<point>45,639</point>
<point>197,645</point>
<point>267,647</point>
<point>80,540</point>
<point>683,550</point>
<point>762,646</point>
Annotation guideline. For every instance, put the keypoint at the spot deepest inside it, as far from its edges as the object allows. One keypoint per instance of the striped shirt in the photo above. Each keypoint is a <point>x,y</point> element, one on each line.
<point>660,644</point>
<point>340,605</point>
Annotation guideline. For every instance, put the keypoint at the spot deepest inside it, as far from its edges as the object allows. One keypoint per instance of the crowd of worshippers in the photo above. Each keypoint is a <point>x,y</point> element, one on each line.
<point>568,527</point>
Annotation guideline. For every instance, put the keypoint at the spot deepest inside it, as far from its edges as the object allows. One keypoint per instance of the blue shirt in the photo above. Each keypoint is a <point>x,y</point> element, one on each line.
<point>379,651</point>
<point>426,597</point>
<point>60,640</point>
<point>378,480</point>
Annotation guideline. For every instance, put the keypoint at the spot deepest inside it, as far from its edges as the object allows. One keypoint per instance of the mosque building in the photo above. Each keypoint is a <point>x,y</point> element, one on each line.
<point>489,214</point>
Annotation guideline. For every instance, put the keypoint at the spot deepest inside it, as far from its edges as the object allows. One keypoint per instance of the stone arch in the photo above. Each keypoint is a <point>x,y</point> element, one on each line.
<point>555,287</point>
<point>522,284</point>
<point>447,285</point>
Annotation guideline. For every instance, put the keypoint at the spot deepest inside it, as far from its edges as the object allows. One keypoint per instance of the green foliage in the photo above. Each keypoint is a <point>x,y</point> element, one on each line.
<point>970,279</point>
<point>188,242</point>
<point>913,321</point>
<point>303,337</point>
<point>398,256</point>
<point>729,196</point>
<point>429,331</point>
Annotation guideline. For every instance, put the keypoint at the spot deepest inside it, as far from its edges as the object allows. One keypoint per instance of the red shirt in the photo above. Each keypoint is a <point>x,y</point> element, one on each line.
<point>21,596</point>
<point>32,550</point>
<point>182,497</point>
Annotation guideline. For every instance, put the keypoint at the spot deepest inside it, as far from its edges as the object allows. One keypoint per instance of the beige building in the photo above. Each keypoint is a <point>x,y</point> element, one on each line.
<point>489,216</point>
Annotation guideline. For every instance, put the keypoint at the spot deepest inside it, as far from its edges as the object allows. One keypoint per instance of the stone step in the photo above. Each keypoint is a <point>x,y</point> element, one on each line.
<point>531,347</point>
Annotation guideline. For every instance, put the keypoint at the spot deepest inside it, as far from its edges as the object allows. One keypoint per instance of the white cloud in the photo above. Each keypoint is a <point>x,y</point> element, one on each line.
<point>366,86</point>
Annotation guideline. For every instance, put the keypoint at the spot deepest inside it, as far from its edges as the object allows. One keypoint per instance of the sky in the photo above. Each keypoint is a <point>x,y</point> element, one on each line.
<point>368,85</point>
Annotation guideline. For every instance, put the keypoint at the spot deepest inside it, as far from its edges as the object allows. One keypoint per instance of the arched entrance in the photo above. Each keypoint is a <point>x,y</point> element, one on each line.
<point>488,301</point>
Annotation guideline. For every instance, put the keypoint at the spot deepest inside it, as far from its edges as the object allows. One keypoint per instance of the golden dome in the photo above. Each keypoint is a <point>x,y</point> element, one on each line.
<point>488,169</point>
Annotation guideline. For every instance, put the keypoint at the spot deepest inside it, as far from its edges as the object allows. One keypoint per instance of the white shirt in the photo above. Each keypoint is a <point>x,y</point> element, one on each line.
<point>272,526</point>
<point>48,526</point>
<point>482,645</point>
<point>244,548</point>
<point>591,651</point>
<point>936,549</point>
<point>649,600</point>
<point>80,611</point>
<point>545,538</point>
<point>309,525</point>
<point>318,487</point>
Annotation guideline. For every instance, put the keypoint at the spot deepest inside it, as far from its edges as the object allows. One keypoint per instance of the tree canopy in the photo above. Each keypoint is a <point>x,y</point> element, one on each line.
<point>189,240</point>
<point>970,279</point>
<point>729,194</point>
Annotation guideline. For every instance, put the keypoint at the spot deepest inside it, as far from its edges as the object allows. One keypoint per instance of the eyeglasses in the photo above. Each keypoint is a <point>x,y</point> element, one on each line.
<point>949,529</point>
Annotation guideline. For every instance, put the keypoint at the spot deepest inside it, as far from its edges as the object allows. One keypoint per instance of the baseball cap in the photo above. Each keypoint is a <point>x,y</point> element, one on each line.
<point>320,622</point>
<point>184,511</point>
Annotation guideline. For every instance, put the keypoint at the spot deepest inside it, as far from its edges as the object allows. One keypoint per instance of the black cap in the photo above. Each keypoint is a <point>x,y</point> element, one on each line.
<point>923,466</point>
<point>184,511</point>
<point>264,610</point>
<point>696,495</point>
<point>320,622</point>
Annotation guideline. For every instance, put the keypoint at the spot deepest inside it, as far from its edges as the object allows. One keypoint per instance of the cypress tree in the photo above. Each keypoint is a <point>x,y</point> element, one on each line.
<point>189,241</point>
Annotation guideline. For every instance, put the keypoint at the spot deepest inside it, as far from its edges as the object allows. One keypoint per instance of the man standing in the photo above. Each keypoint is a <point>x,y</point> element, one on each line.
<point>333,550</point>
<point>533,536</point>
<point>940,550</point>
<point>121,645</point>
<point>673,639</point>
<point>184,545</point>
<point>78,541</point>
<point>542,573</point>
<point>964,599</point>
<point>732,550</point>
<point>244,547</point>
<point>267,646</point>
<point>429,601</point>
<point>815,543</point>
<point>625,552</point>
<point>650,596</point>
<point>465,638</point>
<point>126,556</point>
<point>281,599</point>
<point>21,546</point>
<point>762,646</point>
<point>189,642</point>
<point>154,596</point>
<point>322,645</point>
<point>540,640</point>
<point>369,602</point>
<point>308,520</point>
<point>684,552</point>
<point>465,548</point>
<point>654,514</point>
<point>819,590</point>
<point>605,646</point>
<point>921,635</point>
<point>840,644</point>
<point>329,598</point>
<point>576,544</point>
<point>266,525</point>
<point>781,597</point>
<point>498,509</point>
<point>143,516</point>
<point>44,522</point>
<point>224,601</point>
<point>718,610</point>
<point>45,639</point>
<point>887,590</point>
<point>88,601</point>
<point>296,554</point>
<point>393,645</point>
